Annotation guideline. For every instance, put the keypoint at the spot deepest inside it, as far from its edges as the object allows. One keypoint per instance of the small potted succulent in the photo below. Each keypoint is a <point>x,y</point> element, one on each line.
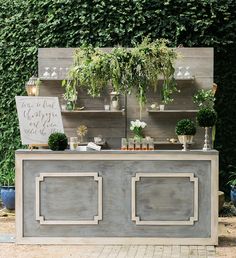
<point>57,141</point>
<point>185,130</point>
<point>206,118</point>
<point>8,189</point>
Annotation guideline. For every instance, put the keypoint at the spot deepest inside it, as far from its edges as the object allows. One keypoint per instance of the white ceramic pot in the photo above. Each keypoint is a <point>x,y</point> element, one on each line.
<point>185,140</point>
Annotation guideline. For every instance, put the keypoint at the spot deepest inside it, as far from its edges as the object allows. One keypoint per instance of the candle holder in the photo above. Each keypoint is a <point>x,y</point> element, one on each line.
<point>207,145</point>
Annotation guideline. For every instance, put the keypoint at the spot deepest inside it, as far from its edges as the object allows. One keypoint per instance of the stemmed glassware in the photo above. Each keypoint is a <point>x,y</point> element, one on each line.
<point>54,74</point>
<point>46,73</point>
<point>187,74</point>
<point>179,74</point>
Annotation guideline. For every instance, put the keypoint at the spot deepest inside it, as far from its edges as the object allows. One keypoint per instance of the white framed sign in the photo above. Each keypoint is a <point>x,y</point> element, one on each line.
<point>38,118</point>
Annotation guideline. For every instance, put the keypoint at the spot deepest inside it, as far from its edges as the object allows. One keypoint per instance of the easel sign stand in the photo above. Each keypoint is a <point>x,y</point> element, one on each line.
<point>32,146</point>
<point>39,117</point>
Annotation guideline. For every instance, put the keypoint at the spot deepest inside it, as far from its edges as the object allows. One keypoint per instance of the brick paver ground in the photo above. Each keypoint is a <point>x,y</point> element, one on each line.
<point>226,248</point>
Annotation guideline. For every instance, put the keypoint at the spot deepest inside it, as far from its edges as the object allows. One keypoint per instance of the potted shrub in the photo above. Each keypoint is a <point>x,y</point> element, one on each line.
<point>8,189</point>
<point>206,118</point>
<point>185,129</point>
<point>57,141</point>
<point>232,183</point>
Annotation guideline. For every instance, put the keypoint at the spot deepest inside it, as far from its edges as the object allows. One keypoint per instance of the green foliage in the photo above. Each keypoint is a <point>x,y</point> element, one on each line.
<point>57,142</point>
<point>232,176</point>
<point>27,25</point>
<point>206,117</point>
<point>204,98</point>
<point>127,70</point>
<point>185,127</point>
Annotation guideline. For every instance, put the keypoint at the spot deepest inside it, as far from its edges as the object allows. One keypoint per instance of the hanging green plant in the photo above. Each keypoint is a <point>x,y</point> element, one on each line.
<point>127,70</point>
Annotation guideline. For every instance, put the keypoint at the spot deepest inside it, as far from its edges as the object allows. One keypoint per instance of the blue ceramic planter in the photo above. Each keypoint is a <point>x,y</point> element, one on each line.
<point>8,197</point>
<point>233,195</point>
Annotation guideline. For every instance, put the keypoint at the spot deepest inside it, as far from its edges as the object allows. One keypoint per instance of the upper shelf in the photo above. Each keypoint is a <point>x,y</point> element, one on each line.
<point>93,111</point>
<point>61,79</point>
<point>173,111</point>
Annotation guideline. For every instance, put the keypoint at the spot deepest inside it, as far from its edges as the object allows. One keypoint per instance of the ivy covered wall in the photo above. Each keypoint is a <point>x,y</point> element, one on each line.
<point>27,25</point>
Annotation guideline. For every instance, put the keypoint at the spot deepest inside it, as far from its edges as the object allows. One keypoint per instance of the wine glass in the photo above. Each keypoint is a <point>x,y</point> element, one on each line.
<point>179,74</point>
<point>187,74</point>
<point>46,73</point>
<point>61,73</point>
<point>54,73</point>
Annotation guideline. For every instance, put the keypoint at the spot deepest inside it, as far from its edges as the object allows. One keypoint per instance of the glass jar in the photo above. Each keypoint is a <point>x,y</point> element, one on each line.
<point>151,144</point>
<point>69,105</point>
<point>73,143</point>
<point>131,144</point>
<point>137,144</point>
<point>124,144</point>
<point>144,144</point>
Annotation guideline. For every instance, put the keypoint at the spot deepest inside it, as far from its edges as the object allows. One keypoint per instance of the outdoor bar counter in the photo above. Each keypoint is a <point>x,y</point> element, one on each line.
<point>117,197</point>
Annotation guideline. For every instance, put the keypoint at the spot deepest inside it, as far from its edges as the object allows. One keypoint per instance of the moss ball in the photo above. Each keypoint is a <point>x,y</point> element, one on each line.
<point>57,141</point>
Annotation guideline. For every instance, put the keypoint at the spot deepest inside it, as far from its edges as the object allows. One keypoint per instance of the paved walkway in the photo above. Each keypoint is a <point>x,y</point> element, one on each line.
<point>37,251</point>
<point>226,248</point>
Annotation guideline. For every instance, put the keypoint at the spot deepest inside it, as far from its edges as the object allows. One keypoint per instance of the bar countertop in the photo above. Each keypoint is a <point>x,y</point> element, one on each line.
<point>170,152</point>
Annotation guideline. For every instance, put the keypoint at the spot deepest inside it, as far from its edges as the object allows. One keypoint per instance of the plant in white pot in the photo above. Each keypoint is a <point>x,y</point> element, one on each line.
<point>206,118</point>
<point>185,130</point>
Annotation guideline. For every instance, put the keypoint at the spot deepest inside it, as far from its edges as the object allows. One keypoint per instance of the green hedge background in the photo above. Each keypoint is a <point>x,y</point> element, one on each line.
<point>27,25</point>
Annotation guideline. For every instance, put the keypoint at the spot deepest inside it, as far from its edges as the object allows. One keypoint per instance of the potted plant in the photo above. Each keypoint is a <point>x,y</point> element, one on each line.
<point>70,94</point>
<point>232,183</point>
<point>204,98</point>
<point>8,189</point>
<point>206,118</point>
<point>185,130</point>
<point>57,141</point>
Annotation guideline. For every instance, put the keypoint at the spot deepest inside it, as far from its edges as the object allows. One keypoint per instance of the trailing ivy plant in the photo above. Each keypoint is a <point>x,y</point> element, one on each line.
<point>127,70</point>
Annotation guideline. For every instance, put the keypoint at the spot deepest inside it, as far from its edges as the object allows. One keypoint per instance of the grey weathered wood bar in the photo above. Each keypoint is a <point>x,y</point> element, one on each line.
<point>117,197</point>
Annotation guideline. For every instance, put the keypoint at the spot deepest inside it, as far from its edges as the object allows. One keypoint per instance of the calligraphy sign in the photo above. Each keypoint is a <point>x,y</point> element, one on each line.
<point>38,118</point>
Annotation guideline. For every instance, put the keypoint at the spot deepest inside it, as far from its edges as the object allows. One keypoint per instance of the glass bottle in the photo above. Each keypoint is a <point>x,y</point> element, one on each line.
<point>151,144</point>
<point>137,144</point>
<point>124,144</point>
<point>144,144</point>
<point>131,144</point>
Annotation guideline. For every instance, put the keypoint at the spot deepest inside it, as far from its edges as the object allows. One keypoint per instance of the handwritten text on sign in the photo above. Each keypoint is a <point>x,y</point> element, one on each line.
<point>38,118</point>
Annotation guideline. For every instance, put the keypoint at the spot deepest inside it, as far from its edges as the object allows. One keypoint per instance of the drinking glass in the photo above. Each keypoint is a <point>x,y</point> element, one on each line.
<point>73,143</point>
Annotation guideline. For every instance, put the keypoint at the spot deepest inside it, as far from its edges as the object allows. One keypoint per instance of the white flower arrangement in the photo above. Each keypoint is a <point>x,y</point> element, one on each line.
<point>134,125</point>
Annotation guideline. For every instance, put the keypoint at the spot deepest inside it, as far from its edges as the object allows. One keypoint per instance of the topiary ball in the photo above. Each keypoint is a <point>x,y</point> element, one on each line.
<point>185,127</point>
<point>206,117</point>
<point>57,141</point>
